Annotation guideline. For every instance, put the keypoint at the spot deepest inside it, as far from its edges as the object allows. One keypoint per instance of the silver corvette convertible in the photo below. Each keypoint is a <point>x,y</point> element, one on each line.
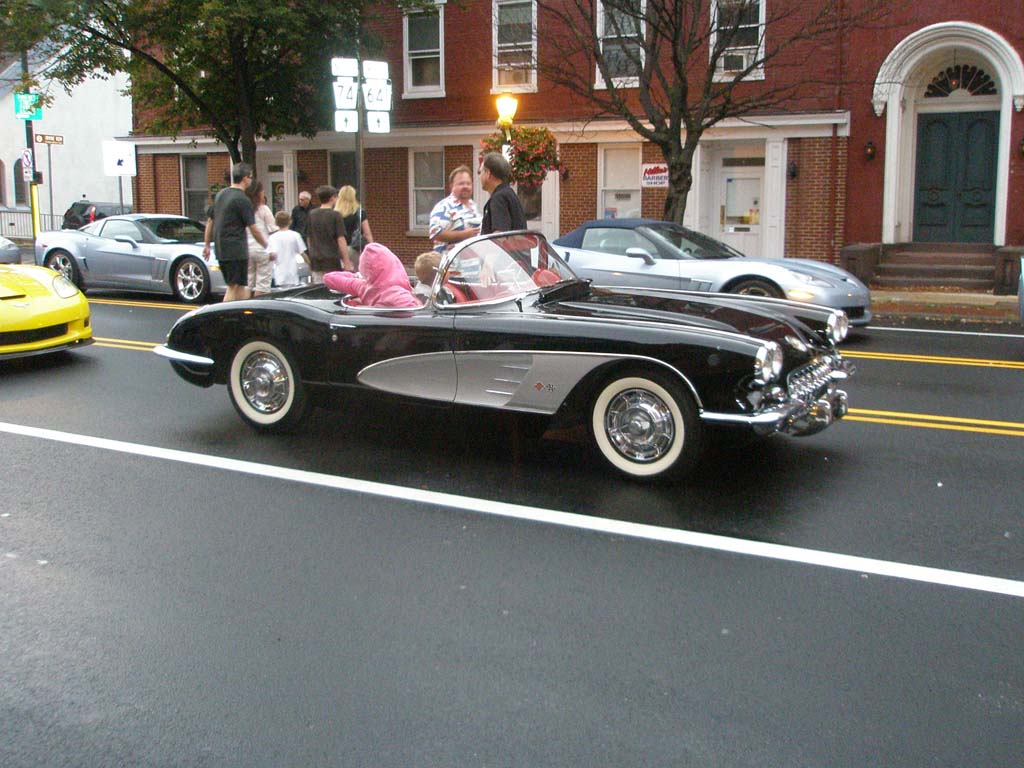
<point>646,253</point>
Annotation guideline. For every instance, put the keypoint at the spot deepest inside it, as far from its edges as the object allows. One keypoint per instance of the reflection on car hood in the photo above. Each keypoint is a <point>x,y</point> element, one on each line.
<point>819,269</point>
<point>735,314</point>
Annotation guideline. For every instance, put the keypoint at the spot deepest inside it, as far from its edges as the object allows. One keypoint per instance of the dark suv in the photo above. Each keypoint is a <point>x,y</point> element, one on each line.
<point>84,212</point>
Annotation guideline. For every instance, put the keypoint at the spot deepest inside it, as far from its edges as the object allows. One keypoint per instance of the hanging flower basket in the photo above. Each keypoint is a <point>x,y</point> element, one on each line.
<point>534,153</point>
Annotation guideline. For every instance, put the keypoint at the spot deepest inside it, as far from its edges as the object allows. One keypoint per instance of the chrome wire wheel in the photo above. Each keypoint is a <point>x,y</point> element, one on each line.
<point>645,425</point>
<point>640,425</point>
<point>265,388</point>
<point>190,281</point>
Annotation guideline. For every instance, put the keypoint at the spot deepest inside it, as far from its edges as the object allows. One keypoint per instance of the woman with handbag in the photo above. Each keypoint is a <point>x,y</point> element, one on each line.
<point>357,225</point>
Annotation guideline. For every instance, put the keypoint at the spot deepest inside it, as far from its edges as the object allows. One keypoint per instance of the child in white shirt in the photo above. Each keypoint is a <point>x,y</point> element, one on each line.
<point>289,247</point>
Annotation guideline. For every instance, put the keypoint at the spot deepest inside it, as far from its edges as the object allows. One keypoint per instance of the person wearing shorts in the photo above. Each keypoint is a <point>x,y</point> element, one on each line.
<point>232,216</point>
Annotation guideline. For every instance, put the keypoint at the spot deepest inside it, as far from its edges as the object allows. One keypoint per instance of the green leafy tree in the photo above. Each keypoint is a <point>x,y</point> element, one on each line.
<point>673,69</point>
<point>238,71</point>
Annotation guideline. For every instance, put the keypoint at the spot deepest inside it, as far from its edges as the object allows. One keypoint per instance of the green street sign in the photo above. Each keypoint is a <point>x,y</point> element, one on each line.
<point>27,106</point>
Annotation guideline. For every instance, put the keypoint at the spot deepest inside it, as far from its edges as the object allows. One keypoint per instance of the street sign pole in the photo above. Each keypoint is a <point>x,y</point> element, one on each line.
<point>31,145</point>
<point>49,181</point>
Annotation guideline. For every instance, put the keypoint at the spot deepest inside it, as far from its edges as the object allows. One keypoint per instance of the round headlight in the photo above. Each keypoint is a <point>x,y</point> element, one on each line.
<point>768,363</point>
<point>837,327</point>
<point>64,287</point>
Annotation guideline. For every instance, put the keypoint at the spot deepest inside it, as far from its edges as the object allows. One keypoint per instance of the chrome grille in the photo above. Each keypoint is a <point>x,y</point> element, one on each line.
<point>808,381</point>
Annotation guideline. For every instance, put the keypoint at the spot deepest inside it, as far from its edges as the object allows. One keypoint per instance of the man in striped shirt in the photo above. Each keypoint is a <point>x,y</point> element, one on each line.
<point>456,217</point>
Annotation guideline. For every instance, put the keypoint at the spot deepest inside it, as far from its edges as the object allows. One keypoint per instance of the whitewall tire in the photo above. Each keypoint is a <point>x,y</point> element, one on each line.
<point>265,387</point>
<point>646,426</point>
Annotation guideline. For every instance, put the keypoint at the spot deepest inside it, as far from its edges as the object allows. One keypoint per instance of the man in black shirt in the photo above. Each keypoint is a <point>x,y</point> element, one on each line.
<point>232,216</point>
<point>300,214</point>
<point>503,211</point>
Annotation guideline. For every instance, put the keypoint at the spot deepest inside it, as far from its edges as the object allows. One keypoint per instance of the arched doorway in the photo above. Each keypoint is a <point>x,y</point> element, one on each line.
<point>955,156</point>
<point>948,92</point>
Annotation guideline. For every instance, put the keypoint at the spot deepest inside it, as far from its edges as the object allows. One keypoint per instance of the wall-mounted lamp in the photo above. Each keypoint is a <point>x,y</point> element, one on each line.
<point>791,170</point>
<point>870,150</point>
<point>565,174</point>
<point>1022,147</point>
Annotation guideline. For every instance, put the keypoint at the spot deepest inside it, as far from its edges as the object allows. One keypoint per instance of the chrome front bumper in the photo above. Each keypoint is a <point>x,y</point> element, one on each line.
<point>795,417</point>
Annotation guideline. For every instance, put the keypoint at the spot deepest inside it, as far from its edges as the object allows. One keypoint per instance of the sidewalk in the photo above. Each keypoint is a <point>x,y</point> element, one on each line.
<point>945,305</point>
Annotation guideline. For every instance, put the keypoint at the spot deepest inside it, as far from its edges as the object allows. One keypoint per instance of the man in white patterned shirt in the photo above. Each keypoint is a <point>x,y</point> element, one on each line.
<point>456,217</point>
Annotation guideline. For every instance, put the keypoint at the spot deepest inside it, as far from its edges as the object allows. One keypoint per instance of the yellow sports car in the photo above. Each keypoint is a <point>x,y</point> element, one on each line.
<point>40,311</point>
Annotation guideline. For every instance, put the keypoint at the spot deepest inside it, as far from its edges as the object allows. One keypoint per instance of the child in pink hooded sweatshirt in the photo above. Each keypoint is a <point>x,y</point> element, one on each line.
<point>380,282</point>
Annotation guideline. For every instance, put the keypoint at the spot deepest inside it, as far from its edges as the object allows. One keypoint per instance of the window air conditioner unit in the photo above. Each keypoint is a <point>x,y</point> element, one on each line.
<point>737,60</point>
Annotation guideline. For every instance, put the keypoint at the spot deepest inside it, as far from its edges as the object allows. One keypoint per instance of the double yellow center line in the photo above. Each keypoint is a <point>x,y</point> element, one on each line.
<point>138,346</point>
<point>933,359</point>
<point>922,420</point>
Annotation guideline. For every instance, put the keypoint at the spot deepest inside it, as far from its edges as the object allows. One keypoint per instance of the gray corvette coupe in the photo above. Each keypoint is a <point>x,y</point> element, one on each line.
<point>509,326</point>
<point>134,252</point>
<point>647,253</point>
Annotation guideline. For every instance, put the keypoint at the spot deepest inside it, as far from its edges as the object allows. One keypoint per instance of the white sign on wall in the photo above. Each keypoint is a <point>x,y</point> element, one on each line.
<point>654,175</point>
<point>118,158</point>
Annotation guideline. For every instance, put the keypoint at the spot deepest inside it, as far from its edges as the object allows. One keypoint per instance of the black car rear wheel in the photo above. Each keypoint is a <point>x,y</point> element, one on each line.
<point>62,261</point>
<point>191,281</point>
<point>645,425</point>
<point>265,387</point>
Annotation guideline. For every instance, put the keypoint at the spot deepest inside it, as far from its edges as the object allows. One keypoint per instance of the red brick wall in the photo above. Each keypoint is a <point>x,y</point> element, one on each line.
<point>311,165</point>
<point>578,193</point>
<point>816,198</point>
<point>158,184</point>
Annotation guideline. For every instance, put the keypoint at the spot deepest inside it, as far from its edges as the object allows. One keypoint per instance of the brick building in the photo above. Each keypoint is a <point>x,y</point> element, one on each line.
<point>920,136</point>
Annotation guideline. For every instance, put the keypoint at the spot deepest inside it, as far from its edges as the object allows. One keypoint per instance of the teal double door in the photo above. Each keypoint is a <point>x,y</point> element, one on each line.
<point>954,189</point>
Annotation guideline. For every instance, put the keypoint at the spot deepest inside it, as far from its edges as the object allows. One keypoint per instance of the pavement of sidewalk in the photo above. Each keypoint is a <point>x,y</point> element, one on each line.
<point>946,305</point>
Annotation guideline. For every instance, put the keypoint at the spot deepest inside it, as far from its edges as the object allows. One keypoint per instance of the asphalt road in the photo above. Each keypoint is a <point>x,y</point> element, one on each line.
<point>405,588</point>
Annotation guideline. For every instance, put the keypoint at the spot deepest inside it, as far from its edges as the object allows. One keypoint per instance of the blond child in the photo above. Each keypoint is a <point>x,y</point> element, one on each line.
<point>426,265</point>
<point>289,247</point>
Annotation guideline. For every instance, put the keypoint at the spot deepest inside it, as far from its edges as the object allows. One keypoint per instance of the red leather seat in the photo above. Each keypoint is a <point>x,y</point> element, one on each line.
<point>544,277</point>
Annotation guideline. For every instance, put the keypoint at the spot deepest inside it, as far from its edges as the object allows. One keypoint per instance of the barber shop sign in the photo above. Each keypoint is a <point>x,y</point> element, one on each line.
<point>654,175</point>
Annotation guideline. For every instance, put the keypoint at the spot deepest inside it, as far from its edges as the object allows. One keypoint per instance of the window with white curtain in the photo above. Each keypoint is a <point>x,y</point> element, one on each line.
<point>619,188</point>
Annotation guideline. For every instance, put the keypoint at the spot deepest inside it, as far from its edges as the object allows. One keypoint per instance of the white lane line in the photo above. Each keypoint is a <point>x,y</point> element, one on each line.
<point>862,565</point>
<point>949,333</point>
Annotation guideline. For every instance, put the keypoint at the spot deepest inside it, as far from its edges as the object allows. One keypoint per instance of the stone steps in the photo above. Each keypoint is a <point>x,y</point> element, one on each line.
<point>960,266</point>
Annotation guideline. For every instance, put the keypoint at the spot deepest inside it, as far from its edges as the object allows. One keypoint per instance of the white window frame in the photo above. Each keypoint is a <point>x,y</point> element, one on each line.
<point>410,91</point>
<point>414,228</point>
<point>601,188</point>
<point>531,85</point>
<point>722,74</point>
<point>618,82</point>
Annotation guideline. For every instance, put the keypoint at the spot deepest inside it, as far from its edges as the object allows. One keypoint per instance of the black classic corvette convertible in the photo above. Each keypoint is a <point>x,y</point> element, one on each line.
<point>509,326</point>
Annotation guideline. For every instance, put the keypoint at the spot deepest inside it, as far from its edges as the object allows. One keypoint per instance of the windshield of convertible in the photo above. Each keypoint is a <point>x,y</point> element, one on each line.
<point>502,266</point>
<point>690,244</point>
